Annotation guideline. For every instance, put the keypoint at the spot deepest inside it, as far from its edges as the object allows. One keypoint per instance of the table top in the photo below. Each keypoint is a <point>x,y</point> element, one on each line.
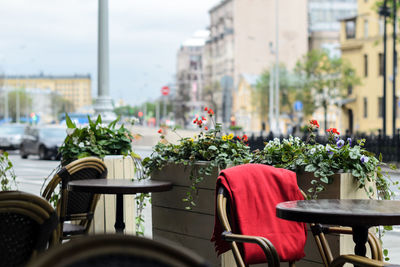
<point>345,212</point>
<point>118,186</point>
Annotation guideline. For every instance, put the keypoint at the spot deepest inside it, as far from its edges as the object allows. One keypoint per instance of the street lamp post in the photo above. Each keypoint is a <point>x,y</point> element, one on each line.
<point>384,11</point>
<point>277,66</point>
<point>394,68</point>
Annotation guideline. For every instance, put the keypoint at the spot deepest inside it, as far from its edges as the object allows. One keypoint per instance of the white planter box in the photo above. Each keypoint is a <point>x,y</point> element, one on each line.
<point>118,167</point>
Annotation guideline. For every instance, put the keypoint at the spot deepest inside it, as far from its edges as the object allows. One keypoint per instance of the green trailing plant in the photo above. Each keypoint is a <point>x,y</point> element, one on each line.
<point>209,145</point>
<point>323,161</point>
<point>7,175</point>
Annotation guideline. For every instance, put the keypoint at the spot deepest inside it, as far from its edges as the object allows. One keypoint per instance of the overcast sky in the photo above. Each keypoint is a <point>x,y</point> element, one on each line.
<point>59,37</point>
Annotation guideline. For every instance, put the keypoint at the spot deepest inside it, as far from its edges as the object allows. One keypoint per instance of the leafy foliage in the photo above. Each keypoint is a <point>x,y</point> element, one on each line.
<point>324,79</point>
<point>7,175</point>
<point>325,160</point>
<point>95,139</point>
<point>209,145</point>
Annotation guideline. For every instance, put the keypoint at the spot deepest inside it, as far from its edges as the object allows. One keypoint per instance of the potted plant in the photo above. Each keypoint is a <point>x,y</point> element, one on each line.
<point>186,213</point>
<point>338,169</point>
<point>112,143</point>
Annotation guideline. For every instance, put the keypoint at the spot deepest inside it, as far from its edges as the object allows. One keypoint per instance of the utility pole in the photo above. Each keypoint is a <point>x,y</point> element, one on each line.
<point>277,67</point>
<point>394,67</point>
<point>384,12</point>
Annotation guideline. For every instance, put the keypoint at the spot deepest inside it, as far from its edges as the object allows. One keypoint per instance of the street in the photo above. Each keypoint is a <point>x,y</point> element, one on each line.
<point>32,172</point>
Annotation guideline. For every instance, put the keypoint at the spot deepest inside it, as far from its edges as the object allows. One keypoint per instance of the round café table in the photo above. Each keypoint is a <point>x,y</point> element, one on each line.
<point>360,214</point>
<point>119,187</point>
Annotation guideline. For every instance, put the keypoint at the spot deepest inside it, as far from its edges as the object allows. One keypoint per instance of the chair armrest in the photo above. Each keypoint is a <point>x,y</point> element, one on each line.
<point>264,243</point>
<point>358,260</point>
<point>373,241</point>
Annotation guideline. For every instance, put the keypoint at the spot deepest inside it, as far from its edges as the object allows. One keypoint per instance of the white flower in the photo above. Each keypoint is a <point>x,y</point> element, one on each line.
<point>70,131</point>
<point>81,144</point>
<point>313,150</point>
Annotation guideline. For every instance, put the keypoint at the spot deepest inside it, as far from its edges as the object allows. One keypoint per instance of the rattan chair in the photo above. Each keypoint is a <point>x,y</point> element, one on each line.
<point>75,206</point>
<point>119,250</point>
<point>28,226</point>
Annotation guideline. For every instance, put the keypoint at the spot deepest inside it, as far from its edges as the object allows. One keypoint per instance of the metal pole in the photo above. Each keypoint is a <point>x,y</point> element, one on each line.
<point>17,106</point>
<point>165,109</point>
<point>394,67</point>
<point>384,13</point>
<point>277,66</point>
<point>158,113</point>
<point>271,99</point>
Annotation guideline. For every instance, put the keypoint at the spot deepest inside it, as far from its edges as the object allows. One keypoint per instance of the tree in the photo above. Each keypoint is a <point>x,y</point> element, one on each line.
<point>324,79</point>
<point>288,94</point>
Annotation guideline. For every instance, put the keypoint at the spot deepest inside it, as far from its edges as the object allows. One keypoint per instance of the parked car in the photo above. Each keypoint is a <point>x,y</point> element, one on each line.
<point>43,141</point>
<point>11,136</point>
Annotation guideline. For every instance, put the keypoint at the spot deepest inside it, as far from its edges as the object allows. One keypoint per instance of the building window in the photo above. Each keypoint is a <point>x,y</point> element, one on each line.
<point>380,107</point>
<point>365,28</point>
<point>380,63</point>
<point>381,26</point>
<point>365,107</point>
<point>365,65</point>
<point>351,29</point>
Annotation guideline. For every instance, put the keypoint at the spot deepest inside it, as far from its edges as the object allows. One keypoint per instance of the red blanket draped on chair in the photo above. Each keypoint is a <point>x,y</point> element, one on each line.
<point>254,191</point>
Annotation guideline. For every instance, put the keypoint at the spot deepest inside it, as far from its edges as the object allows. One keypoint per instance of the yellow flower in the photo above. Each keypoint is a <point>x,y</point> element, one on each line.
<point>224,137</point>
<point>191,140</point>
<point>230,136</point>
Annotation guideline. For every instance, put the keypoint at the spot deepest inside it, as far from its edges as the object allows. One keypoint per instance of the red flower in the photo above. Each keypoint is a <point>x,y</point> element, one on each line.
<point>238,137</point>
<point>314,123</point>
<point>211,112</point>
<point>206,108</point>
<point>204,119</point>
<point>245,138</point>
<point>159,131</point>
<point>333,131</point>
<point>206,128</point>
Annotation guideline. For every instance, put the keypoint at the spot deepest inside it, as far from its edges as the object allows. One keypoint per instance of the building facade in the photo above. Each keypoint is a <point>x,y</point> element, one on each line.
<point>242,41</point>
<point>188,99</point>
<point>362,44</point>
<point>324,24</point>
<point>77,89</point>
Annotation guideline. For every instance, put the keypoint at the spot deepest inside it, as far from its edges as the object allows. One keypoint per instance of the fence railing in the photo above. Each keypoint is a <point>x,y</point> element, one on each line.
<point>389,146</point>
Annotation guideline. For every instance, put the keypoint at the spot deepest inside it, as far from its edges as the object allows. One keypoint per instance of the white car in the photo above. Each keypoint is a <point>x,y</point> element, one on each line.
<point>11,136</point>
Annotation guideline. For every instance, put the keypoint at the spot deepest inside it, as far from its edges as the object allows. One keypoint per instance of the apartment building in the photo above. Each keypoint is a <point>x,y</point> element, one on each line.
<point>243,41</point>
<point>74,88</point>
<point>324,23</point>
<point>361,41</point>
<point>189,78</point>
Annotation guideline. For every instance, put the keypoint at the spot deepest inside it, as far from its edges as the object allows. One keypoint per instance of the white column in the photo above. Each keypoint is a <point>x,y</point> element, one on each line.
<point>103,104</point>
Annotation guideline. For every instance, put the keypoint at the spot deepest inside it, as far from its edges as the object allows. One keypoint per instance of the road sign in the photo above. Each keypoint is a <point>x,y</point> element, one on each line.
<point>298,105</point>
<point>165,90</point>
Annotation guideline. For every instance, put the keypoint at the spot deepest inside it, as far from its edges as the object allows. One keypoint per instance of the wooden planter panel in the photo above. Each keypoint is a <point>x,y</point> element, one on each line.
<point>118,167</point>
<point>189,228</point>
<point>344,186</point>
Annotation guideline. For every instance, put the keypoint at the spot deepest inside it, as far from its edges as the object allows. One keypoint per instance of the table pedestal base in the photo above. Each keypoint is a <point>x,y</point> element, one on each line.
<point>119,214</point>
